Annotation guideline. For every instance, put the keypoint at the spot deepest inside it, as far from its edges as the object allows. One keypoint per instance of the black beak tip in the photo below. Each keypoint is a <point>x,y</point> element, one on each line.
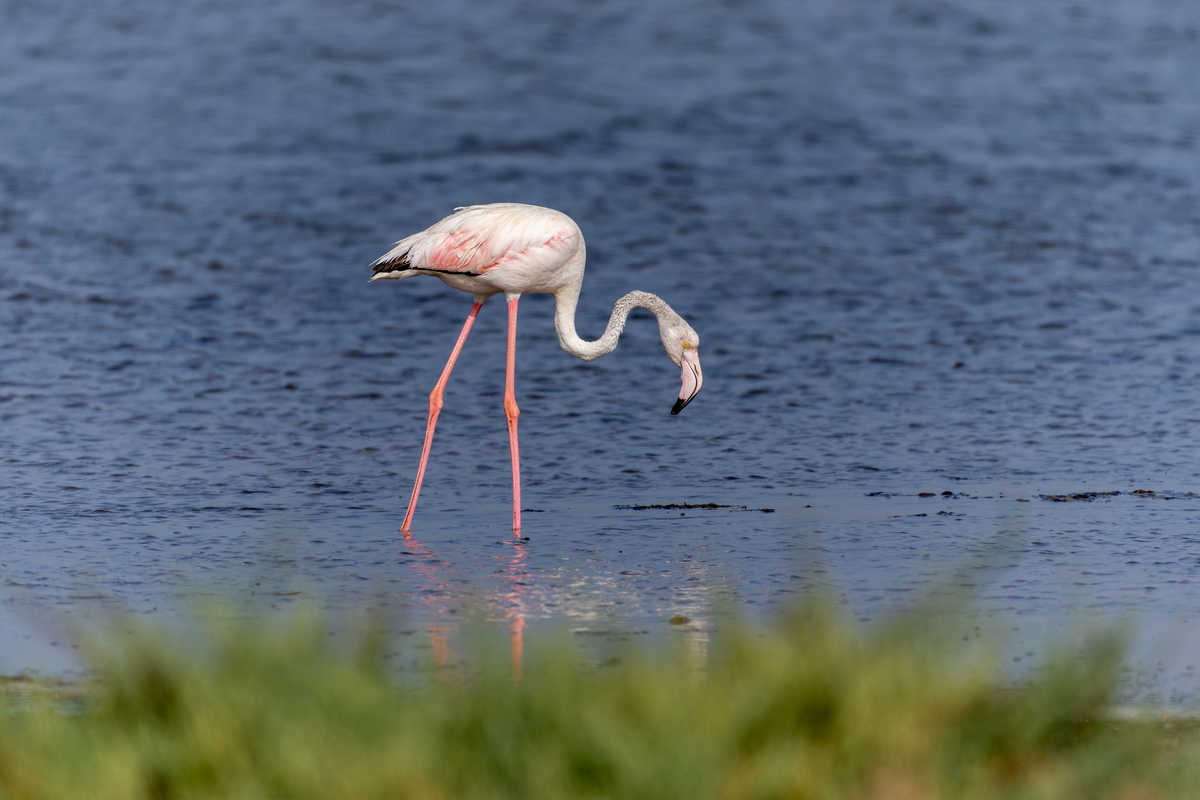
<point>680,403</point>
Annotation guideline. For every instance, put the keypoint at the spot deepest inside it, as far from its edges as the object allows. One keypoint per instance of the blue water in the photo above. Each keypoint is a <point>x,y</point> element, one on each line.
<point>929,247</point>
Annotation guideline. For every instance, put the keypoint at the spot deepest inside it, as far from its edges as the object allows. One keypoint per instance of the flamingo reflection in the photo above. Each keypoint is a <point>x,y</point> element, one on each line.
<point>440,594</point>
<point>579,596</point>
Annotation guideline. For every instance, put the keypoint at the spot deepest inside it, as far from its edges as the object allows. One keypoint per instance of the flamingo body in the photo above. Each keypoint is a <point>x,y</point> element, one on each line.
<point>521,249</point>
<point>502,247</point>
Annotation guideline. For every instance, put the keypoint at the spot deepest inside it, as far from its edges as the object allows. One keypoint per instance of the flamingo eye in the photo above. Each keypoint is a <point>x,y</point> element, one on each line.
<point>687,345</point>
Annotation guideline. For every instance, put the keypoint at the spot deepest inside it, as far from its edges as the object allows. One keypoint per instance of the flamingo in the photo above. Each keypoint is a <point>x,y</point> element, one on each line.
<point>521,249</point>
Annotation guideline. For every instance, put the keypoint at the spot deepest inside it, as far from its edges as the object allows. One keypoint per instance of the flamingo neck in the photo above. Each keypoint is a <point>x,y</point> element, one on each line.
<point>564,322</point>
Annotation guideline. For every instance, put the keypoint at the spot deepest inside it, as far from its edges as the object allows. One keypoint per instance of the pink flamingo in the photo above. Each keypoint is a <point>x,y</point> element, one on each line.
<point>520,249</point>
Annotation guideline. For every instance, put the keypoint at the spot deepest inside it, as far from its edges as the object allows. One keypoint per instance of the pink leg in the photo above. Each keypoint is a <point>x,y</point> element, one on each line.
<point>511,412</point>
<point>435,407</point>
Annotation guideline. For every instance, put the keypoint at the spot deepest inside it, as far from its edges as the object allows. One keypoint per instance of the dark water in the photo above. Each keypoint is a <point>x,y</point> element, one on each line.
<point>929,247</point>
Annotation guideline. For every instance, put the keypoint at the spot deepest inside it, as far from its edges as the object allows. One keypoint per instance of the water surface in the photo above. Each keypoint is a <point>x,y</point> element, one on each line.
<point>943,249</point>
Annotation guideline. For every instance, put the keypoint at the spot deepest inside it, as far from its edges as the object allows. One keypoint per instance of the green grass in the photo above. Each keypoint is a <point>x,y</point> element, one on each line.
<point>811,707</point>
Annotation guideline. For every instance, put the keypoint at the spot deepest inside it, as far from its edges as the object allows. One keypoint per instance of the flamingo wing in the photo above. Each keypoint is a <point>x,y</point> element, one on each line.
<point>475,239</point>
<point>461,251</point>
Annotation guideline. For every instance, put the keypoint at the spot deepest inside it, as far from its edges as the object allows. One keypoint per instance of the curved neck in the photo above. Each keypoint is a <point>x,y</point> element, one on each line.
<point>564,322</point>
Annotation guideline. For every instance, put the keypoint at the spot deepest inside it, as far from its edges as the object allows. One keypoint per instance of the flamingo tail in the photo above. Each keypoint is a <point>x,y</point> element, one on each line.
<point>393,264</point>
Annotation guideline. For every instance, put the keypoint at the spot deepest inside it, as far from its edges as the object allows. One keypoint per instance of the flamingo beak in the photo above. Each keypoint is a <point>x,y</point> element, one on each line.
<point>692,379</point>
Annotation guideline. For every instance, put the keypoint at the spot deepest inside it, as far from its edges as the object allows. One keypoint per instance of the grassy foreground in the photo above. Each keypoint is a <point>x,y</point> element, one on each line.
<point>812,707</point>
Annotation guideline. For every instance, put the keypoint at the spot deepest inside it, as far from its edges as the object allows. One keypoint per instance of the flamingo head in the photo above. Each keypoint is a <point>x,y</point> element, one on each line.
<point>683,346</point>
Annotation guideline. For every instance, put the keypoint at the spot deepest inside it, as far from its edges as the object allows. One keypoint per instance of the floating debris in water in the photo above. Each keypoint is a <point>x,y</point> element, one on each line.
<point>1139,493</point>
<point>1087,496</point>
<point>1164,495</point>
<point>690,506</point>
